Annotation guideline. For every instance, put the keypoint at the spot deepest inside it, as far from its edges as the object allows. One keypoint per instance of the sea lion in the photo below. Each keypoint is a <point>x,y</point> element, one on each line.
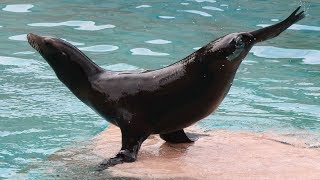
<point>162,101</point>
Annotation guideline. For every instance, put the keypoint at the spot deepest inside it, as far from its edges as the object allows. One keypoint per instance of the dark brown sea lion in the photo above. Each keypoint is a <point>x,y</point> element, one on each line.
<point>162,101</point>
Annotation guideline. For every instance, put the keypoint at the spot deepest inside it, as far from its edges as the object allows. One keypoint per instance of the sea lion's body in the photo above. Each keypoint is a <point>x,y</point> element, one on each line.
<point>162,101</point>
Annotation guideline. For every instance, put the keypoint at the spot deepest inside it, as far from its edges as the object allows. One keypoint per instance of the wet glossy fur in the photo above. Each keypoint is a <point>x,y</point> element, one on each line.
<point>162,101</point>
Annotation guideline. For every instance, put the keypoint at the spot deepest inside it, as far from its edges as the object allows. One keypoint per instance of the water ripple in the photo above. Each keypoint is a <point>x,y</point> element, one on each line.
<point>121,67</point>
<point>297,108</point>
<point>18,8</point>
<point>296,27</point>
<point>196,12</point>
<point>14,61</point>
<point>81,25</point>
<point>24,52</point>
<point>8,133</point>
<point>147,52</point>
<point>212,8</point>
<point>308,56</point>
<point>74,43</point>
<point>99,48</point>
<point>210,1</point>
<point>167,17</point>
<point>21,37</point>
<point>158,41</point>
<point>143,6</point>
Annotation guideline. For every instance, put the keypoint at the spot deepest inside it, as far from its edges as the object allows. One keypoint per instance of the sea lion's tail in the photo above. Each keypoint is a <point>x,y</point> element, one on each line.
<point>274,30</point>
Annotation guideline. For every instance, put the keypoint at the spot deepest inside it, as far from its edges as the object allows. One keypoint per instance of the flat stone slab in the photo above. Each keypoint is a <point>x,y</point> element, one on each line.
<point>217,154</point>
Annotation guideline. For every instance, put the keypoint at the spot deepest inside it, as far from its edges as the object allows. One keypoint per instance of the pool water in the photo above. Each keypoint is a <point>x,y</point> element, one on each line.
<point>276,89</point>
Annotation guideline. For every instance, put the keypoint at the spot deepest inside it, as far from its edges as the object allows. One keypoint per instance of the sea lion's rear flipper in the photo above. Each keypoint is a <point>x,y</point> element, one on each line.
<point>178,137</point>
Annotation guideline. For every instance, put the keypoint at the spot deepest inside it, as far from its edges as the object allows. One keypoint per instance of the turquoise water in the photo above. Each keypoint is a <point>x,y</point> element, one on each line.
<point>277,87</point>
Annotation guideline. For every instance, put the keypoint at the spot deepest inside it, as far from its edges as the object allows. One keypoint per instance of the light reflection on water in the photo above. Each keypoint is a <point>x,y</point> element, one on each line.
<point>276,88</point>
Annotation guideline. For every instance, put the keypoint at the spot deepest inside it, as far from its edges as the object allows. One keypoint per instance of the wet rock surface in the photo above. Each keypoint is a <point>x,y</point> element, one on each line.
<point>217,154</point>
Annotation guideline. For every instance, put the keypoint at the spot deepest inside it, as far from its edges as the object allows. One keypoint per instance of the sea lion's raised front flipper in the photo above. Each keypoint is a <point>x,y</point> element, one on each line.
<point>178,137</point>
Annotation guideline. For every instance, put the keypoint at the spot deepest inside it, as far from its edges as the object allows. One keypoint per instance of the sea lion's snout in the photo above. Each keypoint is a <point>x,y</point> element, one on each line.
<point>40,43</point>
<point>33,40</point>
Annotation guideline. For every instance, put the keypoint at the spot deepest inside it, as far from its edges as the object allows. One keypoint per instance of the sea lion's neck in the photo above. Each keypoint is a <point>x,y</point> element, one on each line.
<point>76,73</point>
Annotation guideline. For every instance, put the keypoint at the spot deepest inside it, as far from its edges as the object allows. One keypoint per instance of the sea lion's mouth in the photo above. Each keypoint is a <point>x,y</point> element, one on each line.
<point>33,42</point>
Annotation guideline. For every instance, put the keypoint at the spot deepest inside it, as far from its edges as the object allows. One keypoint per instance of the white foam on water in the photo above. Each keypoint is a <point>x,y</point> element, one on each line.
<point>147,52</point>
<point>158,41</point>
<point>95,28</point>
<point>196,12</point>
<point>74,43</point>
<point>9,133</point>
<point>185,4</point>
<point>100,48</point>
<point>80,25</point>
<point>275,20</point>
<point>196,48</point>
<point>224,5</point>
<point>166,17</point>
<point>212,8</point>
<point>312,110</point>
<point>41,150</point>
<point>18,8</point>
<point>14,61</point>
<point>24,52</point>
<point>308,56</point>
<point>121,67</point>
<point>296,27</point>
<point>21,37</point>
<point>143,6</point>
<point>210,1</point>
<point>8,172</point>
<point>305,84</point>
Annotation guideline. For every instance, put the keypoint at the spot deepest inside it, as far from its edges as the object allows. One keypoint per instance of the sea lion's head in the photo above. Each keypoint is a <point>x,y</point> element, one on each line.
<point>61,55</point>
<point>231,49</point>
<point>55,51</point>
<point>71,65</point>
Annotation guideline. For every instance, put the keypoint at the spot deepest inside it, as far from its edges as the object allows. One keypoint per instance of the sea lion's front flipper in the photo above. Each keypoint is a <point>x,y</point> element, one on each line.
<point>178,137</point>
<point>131,143</point>
<point>122,156</point>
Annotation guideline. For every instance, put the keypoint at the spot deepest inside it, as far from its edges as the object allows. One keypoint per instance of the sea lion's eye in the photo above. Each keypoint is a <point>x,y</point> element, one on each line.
<point>64,55</point>
<point>238,42</point>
